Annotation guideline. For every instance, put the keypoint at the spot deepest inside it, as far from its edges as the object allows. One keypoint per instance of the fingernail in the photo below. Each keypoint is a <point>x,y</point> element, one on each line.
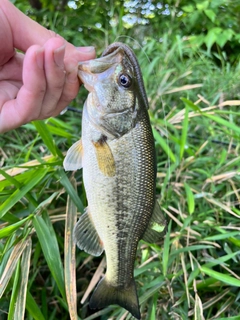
<point>39,58</point>
<point>86,49</point>
<point>58,55</point>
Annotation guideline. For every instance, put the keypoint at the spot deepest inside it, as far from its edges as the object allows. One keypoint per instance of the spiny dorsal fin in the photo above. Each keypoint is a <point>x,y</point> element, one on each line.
<point>86,236</point>
<point>105,158</point>
<point>156,226</point>
<point>73,159</point>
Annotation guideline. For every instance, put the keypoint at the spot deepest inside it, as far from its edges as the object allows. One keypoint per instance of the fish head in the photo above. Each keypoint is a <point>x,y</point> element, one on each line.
<point>114,99</point>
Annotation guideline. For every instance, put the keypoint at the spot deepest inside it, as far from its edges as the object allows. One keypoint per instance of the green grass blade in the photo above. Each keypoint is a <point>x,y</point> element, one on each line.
<point>166,249</point>
<point>183,139</point>
<point>163,144</point>
<point>7,231</point>
<point>149,293</point>
<point>17,184</point>
<point>21,192</point>
<point>221,260</point>
<point>70,190</point>
<point>230,318</point>
<point>191,105</point>
<point>33,308</point>
<point>25,266</point>
<point>11,265</point>
<point>190,198</point>
<point>222,236</point>
<point>198,308</point>
<point>46,136</point>
<point>50,248</point>
<point>167,179</point>
<point>15,292</point>
<point>224,123</point>
<point>221,277</point>
<point>69,256</point>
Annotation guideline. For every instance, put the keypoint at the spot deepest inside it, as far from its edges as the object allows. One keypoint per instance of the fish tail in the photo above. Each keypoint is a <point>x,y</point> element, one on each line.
<point>106,294</point>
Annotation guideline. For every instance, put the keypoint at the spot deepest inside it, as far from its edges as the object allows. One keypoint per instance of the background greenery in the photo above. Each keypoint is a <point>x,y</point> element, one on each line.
<point>189,54</point>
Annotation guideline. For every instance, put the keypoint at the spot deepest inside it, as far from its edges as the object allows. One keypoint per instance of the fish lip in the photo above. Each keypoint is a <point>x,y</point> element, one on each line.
<point>101,64</point>
<point>88,70</point>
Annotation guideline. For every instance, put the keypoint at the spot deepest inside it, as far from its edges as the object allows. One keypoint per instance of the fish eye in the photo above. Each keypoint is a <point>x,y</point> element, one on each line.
<point>125,80</point>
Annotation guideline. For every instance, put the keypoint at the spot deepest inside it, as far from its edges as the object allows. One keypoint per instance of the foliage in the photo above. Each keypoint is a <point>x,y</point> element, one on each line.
<point>192,79</point>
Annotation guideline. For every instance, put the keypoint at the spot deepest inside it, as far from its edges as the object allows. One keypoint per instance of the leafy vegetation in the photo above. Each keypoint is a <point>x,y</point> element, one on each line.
<point>189,55</point>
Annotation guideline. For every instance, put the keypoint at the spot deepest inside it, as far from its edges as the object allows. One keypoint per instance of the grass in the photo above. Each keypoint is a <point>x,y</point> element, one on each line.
<point>194,272</point>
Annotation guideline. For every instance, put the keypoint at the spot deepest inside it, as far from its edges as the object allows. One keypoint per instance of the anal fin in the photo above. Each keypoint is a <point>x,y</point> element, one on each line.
<point>156,226</point>
<point>86,236</point>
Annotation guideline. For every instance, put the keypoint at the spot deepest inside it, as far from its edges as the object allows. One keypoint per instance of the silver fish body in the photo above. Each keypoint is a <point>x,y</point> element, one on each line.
<point>117,155</point>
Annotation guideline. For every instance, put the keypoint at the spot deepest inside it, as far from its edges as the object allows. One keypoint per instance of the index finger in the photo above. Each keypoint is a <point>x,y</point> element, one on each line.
<point>28,32</point>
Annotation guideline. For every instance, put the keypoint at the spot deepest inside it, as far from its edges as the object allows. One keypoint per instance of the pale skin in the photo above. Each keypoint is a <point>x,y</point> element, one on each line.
<point>41,81</point>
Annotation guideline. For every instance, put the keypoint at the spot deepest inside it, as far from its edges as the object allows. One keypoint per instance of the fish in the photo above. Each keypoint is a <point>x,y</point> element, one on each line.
<point>117,155</point>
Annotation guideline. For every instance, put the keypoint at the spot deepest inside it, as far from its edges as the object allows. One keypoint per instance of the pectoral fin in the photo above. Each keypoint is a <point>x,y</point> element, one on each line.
<point>86,236</point>
<point>73,159</point>
<point>105,158</point>
<point>156,227</point>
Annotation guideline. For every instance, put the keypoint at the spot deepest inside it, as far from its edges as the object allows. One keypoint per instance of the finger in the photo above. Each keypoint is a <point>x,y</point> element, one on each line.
<point>71,86</point>
<point>5,38</point>
<point>28,103</point>
<point>28,32</point>
<point>12,70</point>
<point>54,51</point>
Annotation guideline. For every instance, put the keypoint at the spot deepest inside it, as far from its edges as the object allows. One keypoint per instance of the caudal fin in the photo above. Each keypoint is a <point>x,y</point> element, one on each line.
<point>105,294</point>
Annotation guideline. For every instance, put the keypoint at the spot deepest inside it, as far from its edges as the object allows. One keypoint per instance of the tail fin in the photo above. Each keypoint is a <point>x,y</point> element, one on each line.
<point>105,294</point>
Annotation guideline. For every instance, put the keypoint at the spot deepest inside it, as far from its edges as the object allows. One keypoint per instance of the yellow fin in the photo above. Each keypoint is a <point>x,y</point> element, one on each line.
<point>105,158</point>
<point>73,159</point>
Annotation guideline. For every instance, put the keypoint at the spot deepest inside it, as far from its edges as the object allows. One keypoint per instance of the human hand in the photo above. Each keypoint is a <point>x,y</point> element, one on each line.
<point>43,81</point>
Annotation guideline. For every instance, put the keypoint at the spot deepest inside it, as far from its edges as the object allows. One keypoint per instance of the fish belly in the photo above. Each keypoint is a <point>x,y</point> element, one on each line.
<point>121,206</point>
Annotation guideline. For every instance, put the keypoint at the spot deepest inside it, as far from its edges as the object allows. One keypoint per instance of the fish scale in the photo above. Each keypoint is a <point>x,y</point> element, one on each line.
<point>117,154</point>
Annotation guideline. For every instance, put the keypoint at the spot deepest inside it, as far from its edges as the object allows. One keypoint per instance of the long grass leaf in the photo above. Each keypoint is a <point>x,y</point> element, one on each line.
<point>25,266</point>
<point>11,265</point>
<point>17,184</point>
<point>50,250</point>
<point>15,292</point>
<point>7,231</point>
<point>183,139</point>
<point>198,309</point>
<point>46,136</point>
<point>161,141</point>
<point>190,198</point>
<point>21,192</point>
<point>33,308</point>
<point>70,190</point>
<point>224,123</point>
<point>221,277</point>
<point>191,105</point>
<point>69,256</point>
<point>166,250</point>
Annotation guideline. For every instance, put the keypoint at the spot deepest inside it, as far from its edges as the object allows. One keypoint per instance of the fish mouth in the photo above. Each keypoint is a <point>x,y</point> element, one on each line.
<point>101,64</point>
<point>89,72</point>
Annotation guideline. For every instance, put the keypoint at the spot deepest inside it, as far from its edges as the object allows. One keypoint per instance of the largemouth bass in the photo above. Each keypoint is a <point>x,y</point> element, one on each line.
<point>117,155</point>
